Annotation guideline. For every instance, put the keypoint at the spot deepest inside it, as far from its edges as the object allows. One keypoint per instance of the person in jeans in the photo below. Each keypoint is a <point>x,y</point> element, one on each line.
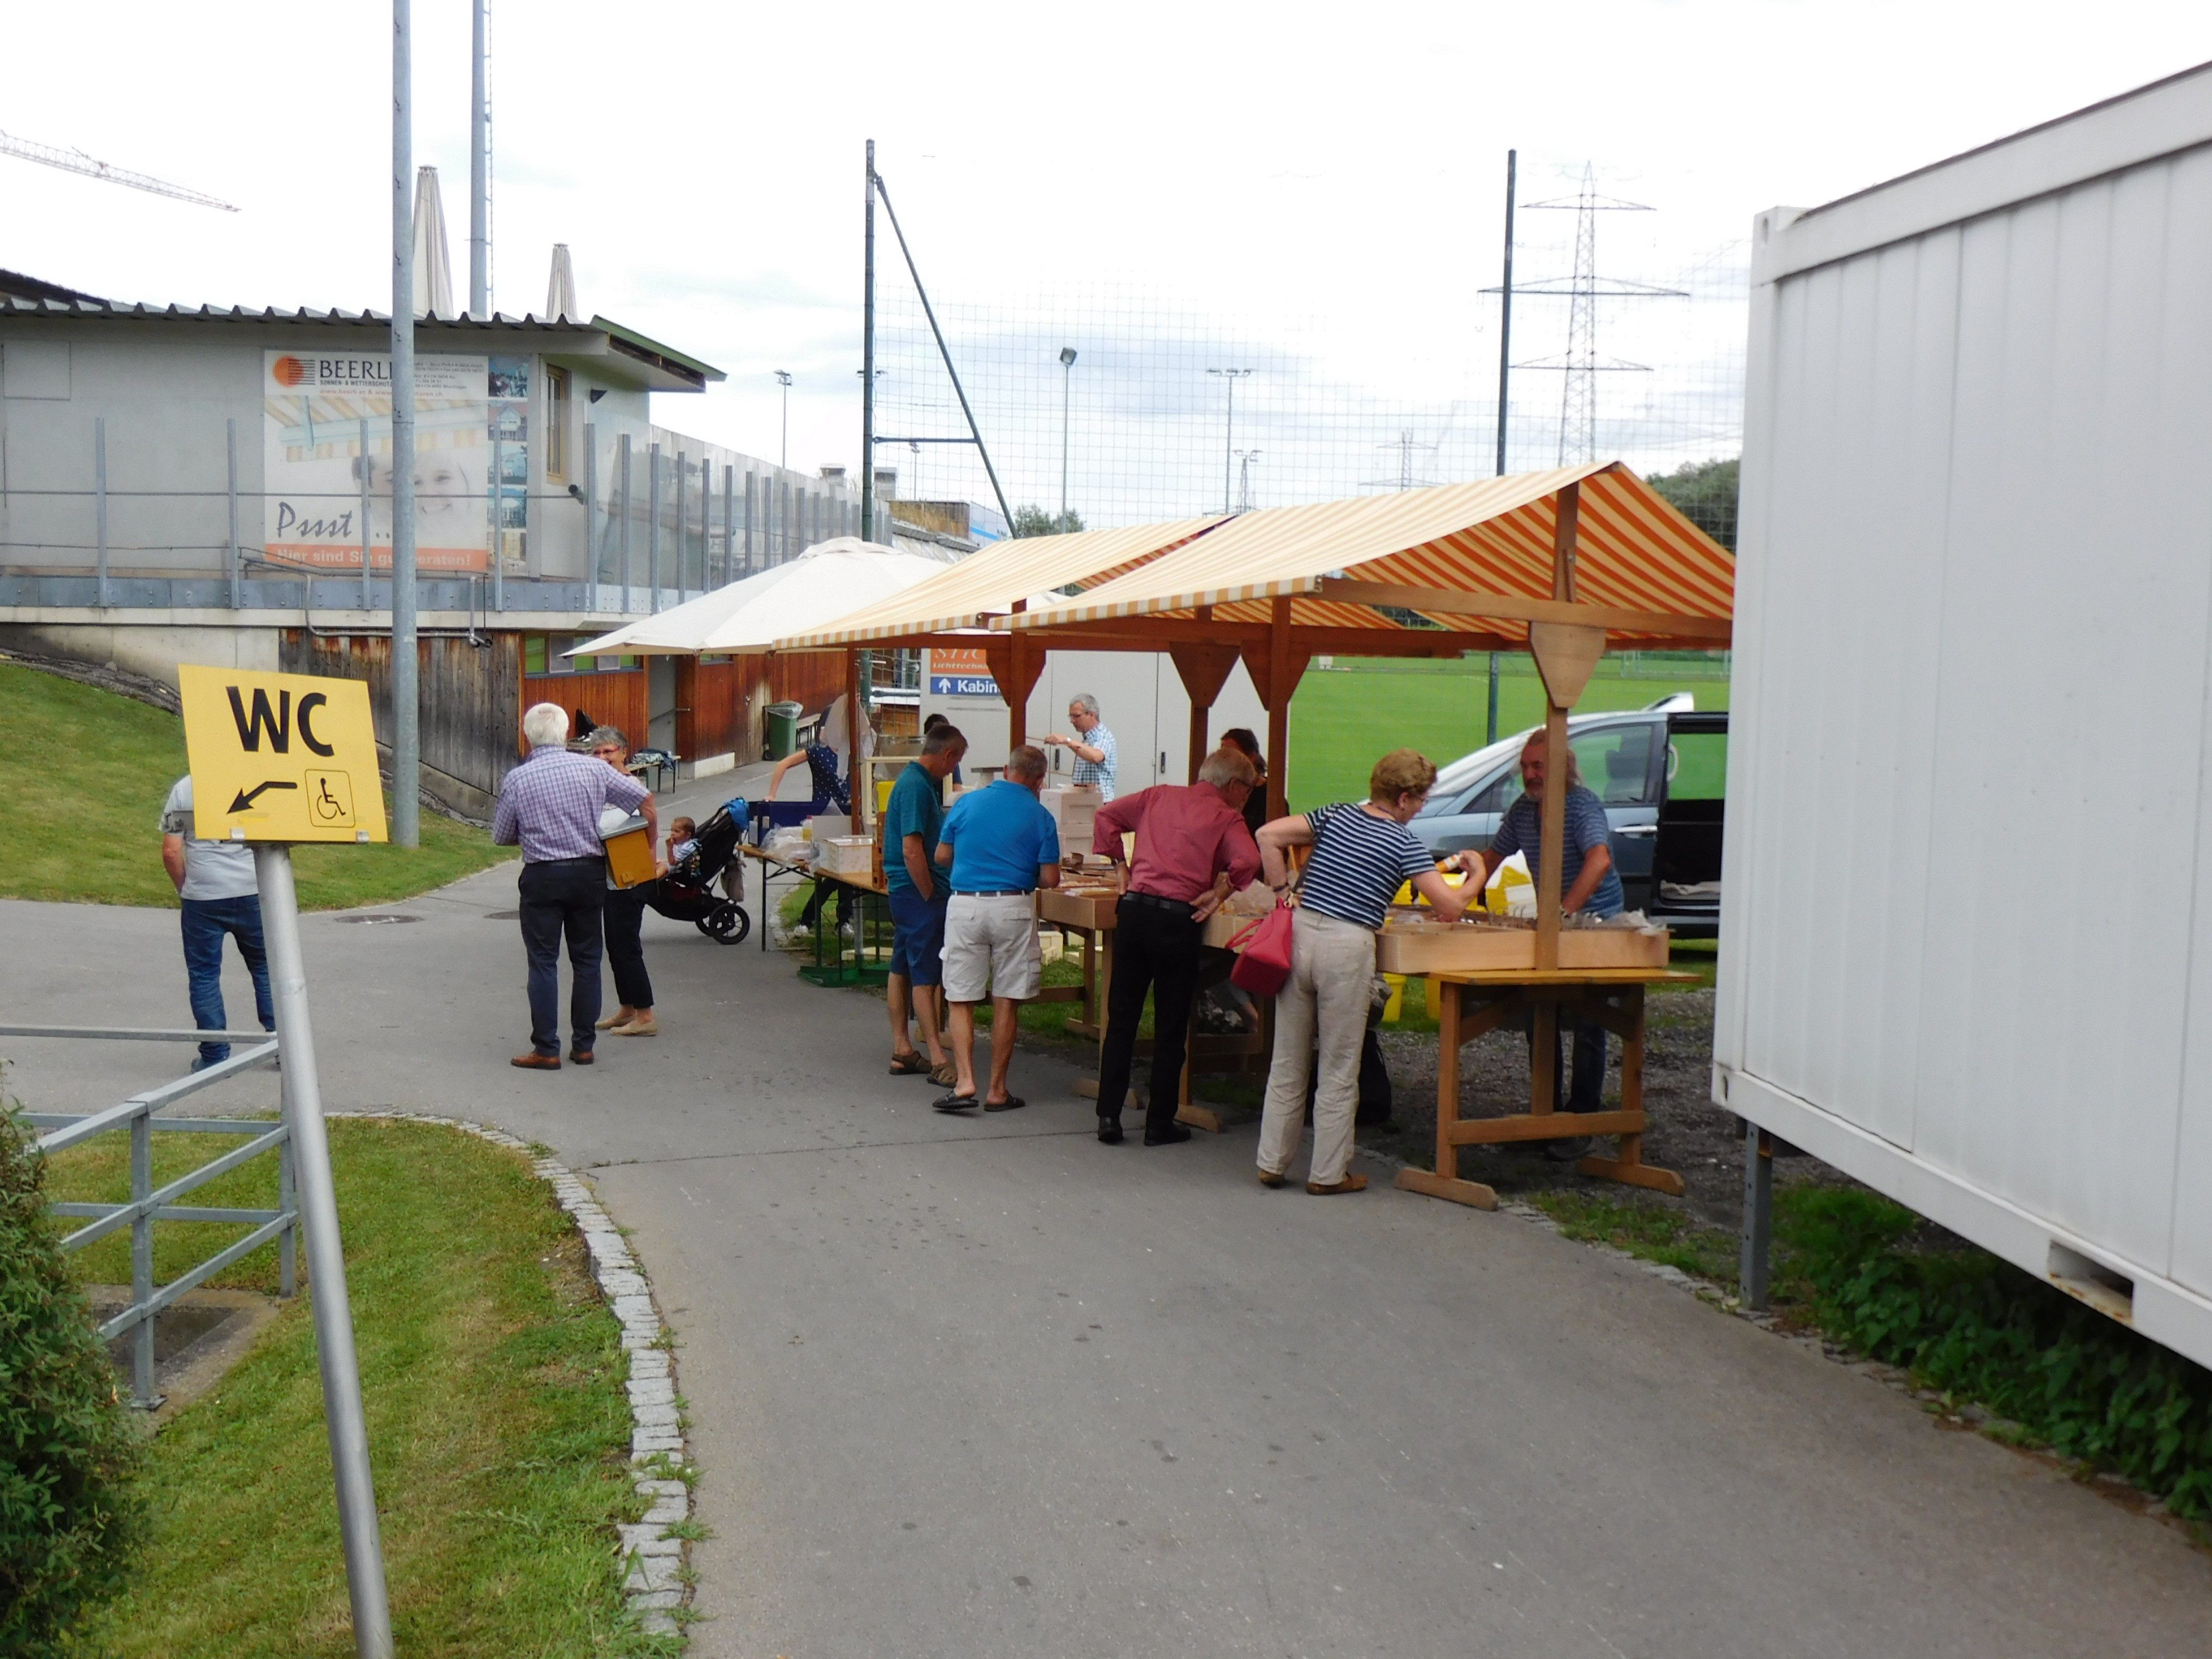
<point>550,806</point>
<point>623,918</point>
<point>1362,852</point>
<point>1587,883</point>
<point>918,897</point>
<point>1192,851</point>
<point>997,846</point>
<point>217,889</point>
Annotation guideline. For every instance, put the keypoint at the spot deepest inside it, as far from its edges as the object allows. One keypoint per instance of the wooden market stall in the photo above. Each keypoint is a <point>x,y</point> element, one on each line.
<point>1561,563</point>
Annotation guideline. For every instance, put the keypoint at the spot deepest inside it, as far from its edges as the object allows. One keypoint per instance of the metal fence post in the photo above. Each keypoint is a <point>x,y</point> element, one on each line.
<point>682,524</point>
<point>594,537</point>
<point>288,1242</point>
<point>652,526</point>
<point>729,520</point>
<point>498,523</point>
<point>751,492</point>
<point>625,523</point>
<point>230,442</point>
<point>366,536</point>
<point>319,1215</point>
<point>100,499</point>
<point>142,1260</point>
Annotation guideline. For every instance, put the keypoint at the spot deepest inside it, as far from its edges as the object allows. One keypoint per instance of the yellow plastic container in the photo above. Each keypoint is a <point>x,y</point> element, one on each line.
<point>629,853</point>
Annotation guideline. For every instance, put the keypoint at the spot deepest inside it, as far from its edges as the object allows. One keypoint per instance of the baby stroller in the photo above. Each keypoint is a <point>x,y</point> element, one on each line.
<point>687,892</point>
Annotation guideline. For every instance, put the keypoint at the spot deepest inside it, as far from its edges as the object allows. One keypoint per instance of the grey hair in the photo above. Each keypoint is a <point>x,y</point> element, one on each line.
<point>1083,701</point>
<point>544,724</point>
<point>602,736</point>
<point>1226,766</point>
<point>942,737</point>
<point>1536,740</point>
<point>1027,762</point>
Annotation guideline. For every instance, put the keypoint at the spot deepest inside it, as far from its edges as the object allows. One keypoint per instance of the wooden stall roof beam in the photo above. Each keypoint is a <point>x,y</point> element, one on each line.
<point>1205,669</point>
<point>1016,664</point>
<point>1708,631</point>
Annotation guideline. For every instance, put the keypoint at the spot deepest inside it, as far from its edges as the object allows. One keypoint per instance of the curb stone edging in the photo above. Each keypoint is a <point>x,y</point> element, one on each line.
<point>653,1562</point>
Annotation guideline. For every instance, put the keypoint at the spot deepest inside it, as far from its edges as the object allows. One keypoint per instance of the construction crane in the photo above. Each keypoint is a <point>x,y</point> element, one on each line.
<point>76,160</point>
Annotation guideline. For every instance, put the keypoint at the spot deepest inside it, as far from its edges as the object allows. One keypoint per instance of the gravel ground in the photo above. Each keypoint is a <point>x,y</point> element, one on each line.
<point>1689,1134</point>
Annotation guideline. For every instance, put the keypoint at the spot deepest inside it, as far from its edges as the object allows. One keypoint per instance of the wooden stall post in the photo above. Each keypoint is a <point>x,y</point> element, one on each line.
<point>1275,674</point>
<point>855,773</point>
<point>1016,664</point>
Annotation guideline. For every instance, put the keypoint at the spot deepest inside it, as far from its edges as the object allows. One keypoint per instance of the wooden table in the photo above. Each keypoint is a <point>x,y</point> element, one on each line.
<point>1092,915</point>
<point>1469,1004</point>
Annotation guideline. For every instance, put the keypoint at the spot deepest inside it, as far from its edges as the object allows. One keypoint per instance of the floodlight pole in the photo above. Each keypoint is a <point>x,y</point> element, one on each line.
<point>479,165</point>
<point>1067,381</point>
<point>1505,313</point>
<point>406,737</point>
<point>867,380</point>
<point>318,1223</point>
<point>1229,438</point>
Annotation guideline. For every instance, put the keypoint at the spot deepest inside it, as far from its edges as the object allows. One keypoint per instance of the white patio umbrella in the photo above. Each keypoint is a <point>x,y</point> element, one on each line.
<point>828,580</point>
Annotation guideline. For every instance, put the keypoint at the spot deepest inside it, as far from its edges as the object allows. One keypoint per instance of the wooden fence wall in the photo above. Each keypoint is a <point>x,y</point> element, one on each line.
<point>472,703</point>
<point>615,698</point>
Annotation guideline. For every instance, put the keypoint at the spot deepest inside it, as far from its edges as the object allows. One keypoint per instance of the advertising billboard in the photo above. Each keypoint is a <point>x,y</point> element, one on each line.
<point>960,672</point>
<point>326,428</point>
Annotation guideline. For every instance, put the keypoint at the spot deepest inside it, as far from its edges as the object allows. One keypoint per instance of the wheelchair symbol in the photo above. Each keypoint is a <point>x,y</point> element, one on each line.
<point>330,800</point>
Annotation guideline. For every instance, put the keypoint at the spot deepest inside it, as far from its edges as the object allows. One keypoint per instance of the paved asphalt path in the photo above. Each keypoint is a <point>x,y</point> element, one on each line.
<point>982,1387</point>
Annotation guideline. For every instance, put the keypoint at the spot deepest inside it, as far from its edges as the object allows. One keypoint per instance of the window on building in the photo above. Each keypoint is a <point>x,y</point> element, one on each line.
<point>556,422</point>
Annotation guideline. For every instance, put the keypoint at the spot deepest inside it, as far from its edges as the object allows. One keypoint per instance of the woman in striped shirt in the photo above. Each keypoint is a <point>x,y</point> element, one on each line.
<point>1362,852</point>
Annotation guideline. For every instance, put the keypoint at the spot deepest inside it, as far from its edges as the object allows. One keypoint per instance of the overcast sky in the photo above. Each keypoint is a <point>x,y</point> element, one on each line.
<point>1247,164</point>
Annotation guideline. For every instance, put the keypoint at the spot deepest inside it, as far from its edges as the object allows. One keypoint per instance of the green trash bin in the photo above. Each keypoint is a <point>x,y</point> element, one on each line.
<point>782,729</point>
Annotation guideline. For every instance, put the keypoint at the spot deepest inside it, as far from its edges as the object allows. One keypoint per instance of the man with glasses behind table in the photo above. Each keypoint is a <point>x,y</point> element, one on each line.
<point>550,806</point>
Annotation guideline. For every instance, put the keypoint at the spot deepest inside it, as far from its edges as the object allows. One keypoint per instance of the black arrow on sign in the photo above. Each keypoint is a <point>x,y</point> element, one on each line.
<point>245,797</point>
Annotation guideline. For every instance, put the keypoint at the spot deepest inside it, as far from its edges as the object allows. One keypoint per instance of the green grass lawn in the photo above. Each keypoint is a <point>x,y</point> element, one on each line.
<point>1344,719</point>
<point>497,1426</point>
<point>83,774</point>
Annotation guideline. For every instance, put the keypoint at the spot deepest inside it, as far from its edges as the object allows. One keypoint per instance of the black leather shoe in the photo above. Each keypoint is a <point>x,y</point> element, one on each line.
<point>1109,1131</point>
<point>1174,1135</point>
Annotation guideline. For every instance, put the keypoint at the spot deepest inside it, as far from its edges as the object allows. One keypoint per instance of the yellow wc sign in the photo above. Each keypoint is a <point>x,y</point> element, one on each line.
<point>280,756</point>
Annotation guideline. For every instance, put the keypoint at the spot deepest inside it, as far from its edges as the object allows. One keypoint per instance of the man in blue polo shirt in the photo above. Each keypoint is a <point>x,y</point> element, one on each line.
<point>918,893</point>
<point>1587,883</point>
<point>998,845</point>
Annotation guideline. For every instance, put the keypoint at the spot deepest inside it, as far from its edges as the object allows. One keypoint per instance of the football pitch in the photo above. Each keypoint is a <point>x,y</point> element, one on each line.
<point>1345,717</point>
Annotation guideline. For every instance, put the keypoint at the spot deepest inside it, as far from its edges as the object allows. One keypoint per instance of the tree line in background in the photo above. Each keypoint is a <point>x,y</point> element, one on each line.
<point>1705,491</point>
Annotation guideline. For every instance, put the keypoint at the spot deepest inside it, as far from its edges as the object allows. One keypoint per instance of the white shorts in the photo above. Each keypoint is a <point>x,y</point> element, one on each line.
<point>992,939</point>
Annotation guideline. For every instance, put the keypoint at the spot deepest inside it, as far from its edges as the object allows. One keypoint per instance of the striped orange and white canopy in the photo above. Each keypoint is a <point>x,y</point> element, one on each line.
<point>1642,568</point>
<point>997,579</point>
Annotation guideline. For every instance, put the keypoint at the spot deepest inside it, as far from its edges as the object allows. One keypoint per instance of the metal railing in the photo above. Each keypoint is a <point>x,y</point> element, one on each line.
<point>149,1204</point>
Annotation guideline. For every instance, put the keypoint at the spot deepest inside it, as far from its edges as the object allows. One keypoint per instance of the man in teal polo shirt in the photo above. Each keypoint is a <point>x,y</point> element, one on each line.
<point>918,894</point>
<point>998,845</point>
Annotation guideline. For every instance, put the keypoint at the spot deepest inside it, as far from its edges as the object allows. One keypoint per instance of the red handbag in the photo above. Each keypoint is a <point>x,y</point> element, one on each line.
<point>1264,959</point>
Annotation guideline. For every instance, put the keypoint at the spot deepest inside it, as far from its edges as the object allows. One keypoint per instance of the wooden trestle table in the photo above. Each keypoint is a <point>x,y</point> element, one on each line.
<point>1470,1003</point>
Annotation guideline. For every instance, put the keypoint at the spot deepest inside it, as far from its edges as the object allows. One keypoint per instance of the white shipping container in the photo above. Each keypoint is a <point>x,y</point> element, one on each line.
<point>1966,941</point>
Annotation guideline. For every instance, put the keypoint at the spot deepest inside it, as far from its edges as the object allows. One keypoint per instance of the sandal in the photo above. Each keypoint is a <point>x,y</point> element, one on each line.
<point>1351,1183</point>
<point>911,1064</point>
<point>944,1076</point>
<point>955,1102</point>
<point>1010,1103</point>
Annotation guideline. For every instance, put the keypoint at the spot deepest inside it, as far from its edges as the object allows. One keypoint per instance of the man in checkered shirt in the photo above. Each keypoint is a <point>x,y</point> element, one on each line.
<point>1097,755</point>
<point>550,806</point>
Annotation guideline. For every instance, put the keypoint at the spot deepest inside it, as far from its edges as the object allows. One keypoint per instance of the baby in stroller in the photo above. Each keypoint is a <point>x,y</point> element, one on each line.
<point>697,856</point>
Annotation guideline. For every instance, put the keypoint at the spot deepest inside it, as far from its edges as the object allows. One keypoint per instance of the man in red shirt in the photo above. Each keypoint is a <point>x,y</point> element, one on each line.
<point>1192,851</point>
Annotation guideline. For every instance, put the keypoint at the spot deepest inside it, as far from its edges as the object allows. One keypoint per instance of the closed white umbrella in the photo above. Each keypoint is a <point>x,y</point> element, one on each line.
<point>825,582</point>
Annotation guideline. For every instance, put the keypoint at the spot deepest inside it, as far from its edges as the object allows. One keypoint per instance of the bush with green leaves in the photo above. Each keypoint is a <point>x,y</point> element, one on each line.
<point>1977,1327</point>
<point>70,1517</point>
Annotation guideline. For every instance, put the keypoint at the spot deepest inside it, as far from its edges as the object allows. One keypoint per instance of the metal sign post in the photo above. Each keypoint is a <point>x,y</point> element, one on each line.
<point>277,759</point>
<point>326,1280</point>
